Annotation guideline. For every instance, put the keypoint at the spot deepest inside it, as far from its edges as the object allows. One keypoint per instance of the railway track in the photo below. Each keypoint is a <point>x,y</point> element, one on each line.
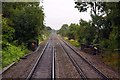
<point>78,68</point>
<point>64,68</point>
<point>76,63</point>
<point>44,67</point>
<point>80,71</point>
<point>45,64</point>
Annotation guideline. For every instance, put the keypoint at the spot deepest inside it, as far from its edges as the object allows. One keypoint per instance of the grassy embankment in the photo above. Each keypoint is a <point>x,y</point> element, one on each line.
<point>110,58</point>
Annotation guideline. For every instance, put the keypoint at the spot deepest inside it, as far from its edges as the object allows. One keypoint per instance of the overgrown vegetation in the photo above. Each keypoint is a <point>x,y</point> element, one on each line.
<point>12,53</point>
<point>21,22</point>
<point>103,29</point>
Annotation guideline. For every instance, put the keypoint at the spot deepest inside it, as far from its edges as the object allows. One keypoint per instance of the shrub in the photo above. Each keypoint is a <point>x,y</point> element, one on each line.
<point>12,53</point>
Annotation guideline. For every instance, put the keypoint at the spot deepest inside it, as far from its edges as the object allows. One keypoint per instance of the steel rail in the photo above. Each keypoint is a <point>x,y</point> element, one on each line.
<point>36,63</point>
<point>53,61</point>
<point>12,64</point>
<point>53,64</point>
<point>7,68</point>
<point>79,70</point>
<point>100,73</point>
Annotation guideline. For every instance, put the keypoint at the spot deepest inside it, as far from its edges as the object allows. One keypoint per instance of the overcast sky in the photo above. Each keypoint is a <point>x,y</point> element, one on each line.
<point>59,12</point>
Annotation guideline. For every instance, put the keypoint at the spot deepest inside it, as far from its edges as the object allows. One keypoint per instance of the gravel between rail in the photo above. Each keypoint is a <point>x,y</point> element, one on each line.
<point>64,67</point>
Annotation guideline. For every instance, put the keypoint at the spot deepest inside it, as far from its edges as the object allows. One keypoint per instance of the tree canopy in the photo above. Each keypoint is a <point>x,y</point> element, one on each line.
<point>26,19</point>
<point>103,29</point>
<point>22,22</point>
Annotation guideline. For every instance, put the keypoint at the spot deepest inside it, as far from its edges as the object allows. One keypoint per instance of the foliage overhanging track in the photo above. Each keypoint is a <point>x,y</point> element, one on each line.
<point>100,73</point>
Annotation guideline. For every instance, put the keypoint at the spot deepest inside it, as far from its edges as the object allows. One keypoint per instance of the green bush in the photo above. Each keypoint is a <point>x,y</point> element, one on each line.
<point>12,53</point>
<point>73,42</point>
<point>104,43</point>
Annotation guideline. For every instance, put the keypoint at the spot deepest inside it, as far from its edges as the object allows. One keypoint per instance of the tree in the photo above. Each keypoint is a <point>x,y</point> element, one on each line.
<point>96,13</point>
<point>27,20</point>
<point>105,19</point>
<point>113,10</point>
<point>72,31</point>
<point>63,30</point>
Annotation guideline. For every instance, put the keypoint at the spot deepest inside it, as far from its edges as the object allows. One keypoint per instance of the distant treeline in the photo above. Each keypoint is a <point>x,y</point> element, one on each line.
<point>103,29</point>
